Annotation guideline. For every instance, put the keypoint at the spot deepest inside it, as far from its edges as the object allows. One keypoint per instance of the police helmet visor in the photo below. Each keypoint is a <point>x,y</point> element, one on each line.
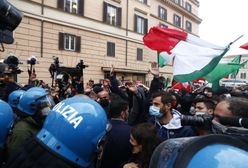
<point>45,104</point>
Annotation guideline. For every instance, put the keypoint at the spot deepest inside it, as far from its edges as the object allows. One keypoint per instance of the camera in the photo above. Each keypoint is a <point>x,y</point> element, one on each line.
<point>10,18</point>
<point>204,120</point>
<point>12,63</point>
<point>32,60</point>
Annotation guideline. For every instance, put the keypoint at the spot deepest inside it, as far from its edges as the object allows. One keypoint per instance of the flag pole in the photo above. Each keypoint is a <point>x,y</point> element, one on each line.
<point>236,39</point>
<point>201,87</point>
<point>158,60</point>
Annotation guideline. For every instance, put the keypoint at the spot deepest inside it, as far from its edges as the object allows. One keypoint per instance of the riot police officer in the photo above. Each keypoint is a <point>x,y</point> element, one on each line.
<point>71,137</point>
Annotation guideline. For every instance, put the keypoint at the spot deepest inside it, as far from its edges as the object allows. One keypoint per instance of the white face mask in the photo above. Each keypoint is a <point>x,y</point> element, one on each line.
<point>200,113</point>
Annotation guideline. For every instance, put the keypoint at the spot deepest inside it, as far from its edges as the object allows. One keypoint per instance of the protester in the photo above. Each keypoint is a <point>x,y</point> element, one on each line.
<point>117,149</point>
<point>144,139</point>
<point>204,105</point>
<point>138,98</point>
<point>166,119</point>
<point>208,92</point>
<point>203,109</point>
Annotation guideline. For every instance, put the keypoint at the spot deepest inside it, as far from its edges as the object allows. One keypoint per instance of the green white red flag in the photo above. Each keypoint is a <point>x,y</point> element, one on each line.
<point>193,57</point>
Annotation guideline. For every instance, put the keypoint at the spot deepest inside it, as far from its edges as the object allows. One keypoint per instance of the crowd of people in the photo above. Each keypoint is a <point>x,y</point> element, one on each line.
<point>109,124</point>
<point>112,124</point>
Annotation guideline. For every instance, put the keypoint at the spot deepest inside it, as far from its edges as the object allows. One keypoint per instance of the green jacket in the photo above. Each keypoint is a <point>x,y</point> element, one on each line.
<point>24,130</point>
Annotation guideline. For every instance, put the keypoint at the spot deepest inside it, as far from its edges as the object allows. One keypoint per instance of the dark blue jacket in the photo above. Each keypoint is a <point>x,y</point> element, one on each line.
<point>117,149</point>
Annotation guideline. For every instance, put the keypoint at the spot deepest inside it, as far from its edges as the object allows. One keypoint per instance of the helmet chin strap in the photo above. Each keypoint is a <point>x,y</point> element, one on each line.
<point>45,111</point>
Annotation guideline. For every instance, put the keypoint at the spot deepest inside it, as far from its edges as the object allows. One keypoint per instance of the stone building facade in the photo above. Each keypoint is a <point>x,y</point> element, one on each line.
<point>99,32</point>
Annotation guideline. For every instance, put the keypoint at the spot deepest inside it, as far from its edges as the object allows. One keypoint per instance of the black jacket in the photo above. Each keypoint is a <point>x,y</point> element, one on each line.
<point>117,150</point>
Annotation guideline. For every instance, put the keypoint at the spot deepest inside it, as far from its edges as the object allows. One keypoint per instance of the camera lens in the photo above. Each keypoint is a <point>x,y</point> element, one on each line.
<point>204,120</point>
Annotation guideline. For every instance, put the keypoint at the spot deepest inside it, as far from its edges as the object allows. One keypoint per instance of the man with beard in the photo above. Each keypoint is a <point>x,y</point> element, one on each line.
<point>166,119</point>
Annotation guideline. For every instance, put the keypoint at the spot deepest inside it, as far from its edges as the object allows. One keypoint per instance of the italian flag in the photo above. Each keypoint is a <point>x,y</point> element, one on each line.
<point>193,57</point>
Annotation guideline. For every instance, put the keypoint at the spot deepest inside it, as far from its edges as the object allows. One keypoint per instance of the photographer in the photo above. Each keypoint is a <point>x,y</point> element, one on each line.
<point>230,118</point>
<point>63,82</point>
<point>8,74</point>
<point>235,108</point>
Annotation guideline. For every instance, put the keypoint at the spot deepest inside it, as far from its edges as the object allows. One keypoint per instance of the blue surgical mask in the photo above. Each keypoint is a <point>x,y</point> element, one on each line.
<point>155,111</point>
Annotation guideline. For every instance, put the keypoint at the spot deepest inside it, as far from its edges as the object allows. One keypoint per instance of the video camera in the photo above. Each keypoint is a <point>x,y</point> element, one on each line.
<point>204,120</point>
<point>10,18</point>
<point>11,65</point>
<point>8,73</point>
<point>32,60</point>
<point>224,125</point>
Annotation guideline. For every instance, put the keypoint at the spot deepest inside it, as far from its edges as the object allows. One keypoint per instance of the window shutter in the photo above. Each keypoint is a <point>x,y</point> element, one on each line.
<point>139,54</point>
<point>159,12</point>
<point>81,7</point>
<point>108,49</point>
<point>113,49</point>
<point>135,23</point>
<point>78,43</point>
<point>61,41</point>
<point>119,17</point>
<point>179,24</point>
<point>145,26</point>
<point>60,4</point>
<point>104,11</point>
<point>165,14</point>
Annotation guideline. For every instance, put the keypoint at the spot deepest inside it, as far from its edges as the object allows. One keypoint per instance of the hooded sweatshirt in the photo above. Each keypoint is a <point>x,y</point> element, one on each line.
<point>173,129</point>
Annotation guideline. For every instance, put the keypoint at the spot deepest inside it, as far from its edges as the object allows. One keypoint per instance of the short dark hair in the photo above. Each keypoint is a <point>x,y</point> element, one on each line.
<point>207,102</point>
<point>238,106</point>
<point>208,89</point>
<point>117,105</point>
<point>165,97</point>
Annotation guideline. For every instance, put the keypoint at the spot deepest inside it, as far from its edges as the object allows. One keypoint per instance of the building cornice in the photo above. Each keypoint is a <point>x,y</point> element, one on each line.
<point>195,2</point>
<point>127,70</point>
<point>140,11</point>
<point>69,24</point>
<point>183,11</point>
<point>165,21</point>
